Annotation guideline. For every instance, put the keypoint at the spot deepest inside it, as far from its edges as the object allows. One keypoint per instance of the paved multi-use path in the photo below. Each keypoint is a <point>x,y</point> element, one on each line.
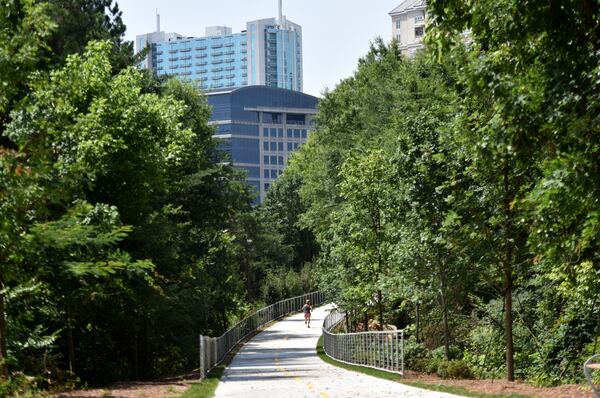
<point>282,362</point>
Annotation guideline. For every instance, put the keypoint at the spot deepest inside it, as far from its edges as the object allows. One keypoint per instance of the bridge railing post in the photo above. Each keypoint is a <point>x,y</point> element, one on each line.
<point>201,351</point>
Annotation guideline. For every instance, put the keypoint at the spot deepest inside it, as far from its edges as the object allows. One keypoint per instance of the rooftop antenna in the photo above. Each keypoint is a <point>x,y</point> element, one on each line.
<point>157,21</point>
<point>280,13</point>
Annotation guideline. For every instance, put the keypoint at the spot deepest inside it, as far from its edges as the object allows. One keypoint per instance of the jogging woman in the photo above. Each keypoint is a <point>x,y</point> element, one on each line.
<point>307,308</point>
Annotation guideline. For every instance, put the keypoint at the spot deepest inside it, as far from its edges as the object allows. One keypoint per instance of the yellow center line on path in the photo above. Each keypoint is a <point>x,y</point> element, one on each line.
<point>324,394</point>
<point>310,386</point>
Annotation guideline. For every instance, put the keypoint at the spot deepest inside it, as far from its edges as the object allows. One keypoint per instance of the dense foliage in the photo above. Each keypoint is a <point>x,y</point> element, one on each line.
<point>124,232</point>
<point>455,194</point>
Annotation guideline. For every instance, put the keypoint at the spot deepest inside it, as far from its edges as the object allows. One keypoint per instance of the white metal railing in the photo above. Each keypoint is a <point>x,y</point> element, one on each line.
<point>592,364</point>
<point>380,350</point>
<point>214,349</point>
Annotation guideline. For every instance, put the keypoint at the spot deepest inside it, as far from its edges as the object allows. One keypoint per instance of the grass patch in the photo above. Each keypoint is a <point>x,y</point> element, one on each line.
<point>208,386</point>
<point>397,378</point>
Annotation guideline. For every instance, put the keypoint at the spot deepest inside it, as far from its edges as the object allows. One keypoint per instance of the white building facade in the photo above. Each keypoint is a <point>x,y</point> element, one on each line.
<point>408,25</point>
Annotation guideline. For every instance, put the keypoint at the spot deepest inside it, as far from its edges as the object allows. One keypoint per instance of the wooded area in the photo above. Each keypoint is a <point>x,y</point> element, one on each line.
<point>124,231</point>
<point>455,194</point>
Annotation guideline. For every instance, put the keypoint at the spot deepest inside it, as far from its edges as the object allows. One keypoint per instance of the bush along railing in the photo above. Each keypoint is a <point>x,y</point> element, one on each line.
<point>380,350</point>
<point>214,349</point>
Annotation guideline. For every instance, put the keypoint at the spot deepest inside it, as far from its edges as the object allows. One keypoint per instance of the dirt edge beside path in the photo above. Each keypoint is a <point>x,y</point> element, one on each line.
<point>505,387</point>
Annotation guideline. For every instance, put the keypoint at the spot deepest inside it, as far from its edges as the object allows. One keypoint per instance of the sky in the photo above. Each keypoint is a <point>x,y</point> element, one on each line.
<point>336,33</point>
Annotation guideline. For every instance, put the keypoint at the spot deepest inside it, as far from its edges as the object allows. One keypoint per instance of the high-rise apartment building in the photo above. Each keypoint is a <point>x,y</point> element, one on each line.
<point>268,52</point>
<point>259,127</point>
<point>254,84</point>
<point>408,25</point>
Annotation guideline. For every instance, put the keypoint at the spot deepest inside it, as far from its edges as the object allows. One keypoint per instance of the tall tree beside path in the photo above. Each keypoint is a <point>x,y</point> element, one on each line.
<point>129,191</point>
<point>536,63</point>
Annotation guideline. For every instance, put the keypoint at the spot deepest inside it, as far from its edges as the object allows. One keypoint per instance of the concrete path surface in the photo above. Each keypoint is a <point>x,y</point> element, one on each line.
<point>282,362</point>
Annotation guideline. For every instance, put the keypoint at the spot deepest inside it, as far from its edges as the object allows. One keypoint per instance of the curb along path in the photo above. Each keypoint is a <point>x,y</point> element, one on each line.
<point>282,362</point>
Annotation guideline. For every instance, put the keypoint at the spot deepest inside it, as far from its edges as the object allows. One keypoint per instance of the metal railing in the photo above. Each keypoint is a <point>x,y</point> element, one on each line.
<point>592,364</point>
<point>380,350</point>
<point>214,349</point>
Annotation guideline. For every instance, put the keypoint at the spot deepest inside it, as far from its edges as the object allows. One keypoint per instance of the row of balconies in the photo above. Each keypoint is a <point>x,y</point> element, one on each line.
<point>201,71</point>
<point>220,85</point>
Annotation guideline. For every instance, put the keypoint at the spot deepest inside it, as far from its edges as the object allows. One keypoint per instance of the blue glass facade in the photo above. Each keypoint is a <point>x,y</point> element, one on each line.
<point>283,59</point>
<point>266,53</point>
<point>259,127</point>
<point>211,63</point>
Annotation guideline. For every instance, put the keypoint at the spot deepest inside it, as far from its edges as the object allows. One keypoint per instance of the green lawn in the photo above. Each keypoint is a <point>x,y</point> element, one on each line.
<point>396,377</point>
<point>206,388</point>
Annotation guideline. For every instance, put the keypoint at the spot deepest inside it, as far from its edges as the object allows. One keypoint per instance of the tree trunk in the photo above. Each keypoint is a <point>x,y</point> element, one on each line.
<point>146,349</point>
<point>380,304</point>
<point>508,323</point>
<point>136,355</point>
<point>442,275</point>
<point>417,322</point>
<point>247,271</point>
<point>508,282</point>
<point>3,350</point>
<point>70,344</point>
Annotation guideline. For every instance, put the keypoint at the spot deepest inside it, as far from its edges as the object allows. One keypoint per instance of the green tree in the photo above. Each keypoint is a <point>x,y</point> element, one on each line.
<point>365,223</point>
<point>283,207</point>
<point>538,77</point>
<point>25,28</point>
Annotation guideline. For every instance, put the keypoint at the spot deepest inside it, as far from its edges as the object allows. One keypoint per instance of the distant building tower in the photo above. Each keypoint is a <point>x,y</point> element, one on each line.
<point>408,25</point>
<point>149,40</point>
<point>268,52</point>
<point>259,127</point>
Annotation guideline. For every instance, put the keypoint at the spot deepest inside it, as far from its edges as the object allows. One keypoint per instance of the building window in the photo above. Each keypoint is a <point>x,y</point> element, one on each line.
<point>296,133</point>
<point>266,146</point>
<point>419,31</point>
<point>289,133</point>
<point>273,173</point>
<point>280,133</point>
<point>265,132</point>
<point>266,173</point>
<point>398,38</point>
<point>267,187</point>
<point>273,132</point>
<point>397,24</point>
<point>280,146</point>
<point>273,146</point>
<point>290,147</point>
<point>273,159</point>
<point>420,18</point>
<point>280,160</point>
<point>274,118</point>
<point>266,160</point>
<point>304,134</point>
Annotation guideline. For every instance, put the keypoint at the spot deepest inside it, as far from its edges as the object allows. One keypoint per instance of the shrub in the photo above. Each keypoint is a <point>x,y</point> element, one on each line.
<point>433,365</point>
<point>415,354</point>
<point>455,369</point>
<point>439,352</point>
<point>21,386</point>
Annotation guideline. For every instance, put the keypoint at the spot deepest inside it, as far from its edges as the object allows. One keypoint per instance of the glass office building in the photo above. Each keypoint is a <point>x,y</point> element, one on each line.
<point>268,52</point>
<point>259,127</point>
